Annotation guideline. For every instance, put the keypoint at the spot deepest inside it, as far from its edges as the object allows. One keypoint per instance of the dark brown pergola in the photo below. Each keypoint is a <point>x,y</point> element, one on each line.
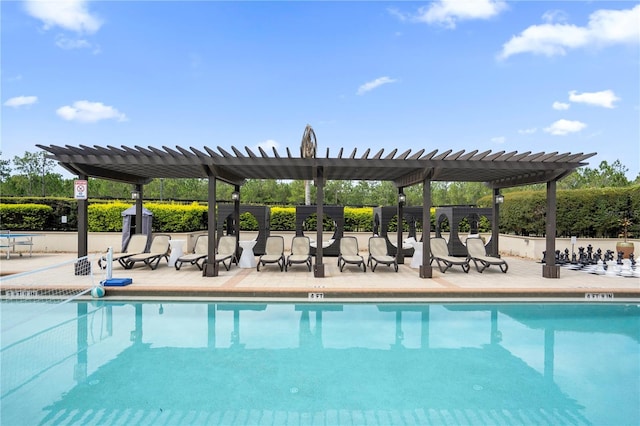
<point>138,166</point>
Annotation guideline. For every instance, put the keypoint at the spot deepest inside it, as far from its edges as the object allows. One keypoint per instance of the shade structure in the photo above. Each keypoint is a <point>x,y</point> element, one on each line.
<point>139,165</point>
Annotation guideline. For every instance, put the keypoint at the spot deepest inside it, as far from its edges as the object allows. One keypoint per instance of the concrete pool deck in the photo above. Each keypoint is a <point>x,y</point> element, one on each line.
<point>523,280</point>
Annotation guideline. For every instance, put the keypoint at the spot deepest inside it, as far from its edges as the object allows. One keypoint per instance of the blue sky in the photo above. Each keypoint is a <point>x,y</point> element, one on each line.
<point>478,74</point>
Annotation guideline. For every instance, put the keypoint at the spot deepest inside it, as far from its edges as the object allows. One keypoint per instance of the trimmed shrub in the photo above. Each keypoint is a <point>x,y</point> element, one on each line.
<point>106,217</point>
<point>283,218</point>
<point>587,213</point>
<point>248,222</point>
<point>178,217</point>
<point>24,217</point>
<point>358,219</point>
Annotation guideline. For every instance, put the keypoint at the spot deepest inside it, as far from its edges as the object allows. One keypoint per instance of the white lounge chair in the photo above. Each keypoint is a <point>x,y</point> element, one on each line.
<point>136,245</point>
<point>199,254</point>
<point>300,252</point>
<point>159,249</point>
<point>440,253</point>
<point>227,251</point>
<point>378,254</point>
<point>478,253</point>
<point>349,253</point>
<point>273,252</point>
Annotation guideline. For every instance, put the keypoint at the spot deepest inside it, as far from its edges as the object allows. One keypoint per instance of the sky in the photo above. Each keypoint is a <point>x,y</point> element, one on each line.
<point>550,76</point>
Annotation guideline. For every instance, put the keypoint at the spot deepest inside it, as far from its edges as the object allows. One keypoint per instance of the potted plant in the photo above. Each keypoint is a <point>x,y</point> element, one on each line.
<point>626,247</point>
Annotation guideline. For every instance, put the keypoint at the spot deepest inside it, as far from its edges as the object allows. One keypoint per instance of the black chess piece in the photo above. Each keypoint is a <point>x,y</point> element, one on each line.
<point>620,256</point>
<point>590,254</point>
<point>608,255</point>
<point>632,259</point>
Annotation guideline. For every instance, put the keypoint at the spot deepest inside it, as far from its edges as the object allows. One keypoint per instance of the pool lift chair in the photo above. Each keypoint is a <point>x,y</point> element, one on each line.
<point>349,253</point>
<point>198,256</point>
<point>227,251</point>
<point>273,252</point>
<point>136,245</point>
<point>440,253</point>
<point>300,252</point>
<point>478,253</point>
<point>378,254</point>
<point>159,249</point>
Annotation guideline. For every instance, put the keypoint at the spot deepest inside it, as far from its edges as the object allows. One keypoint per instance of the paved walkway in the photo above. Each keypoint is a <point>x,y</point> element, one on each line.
<point>523,280</point>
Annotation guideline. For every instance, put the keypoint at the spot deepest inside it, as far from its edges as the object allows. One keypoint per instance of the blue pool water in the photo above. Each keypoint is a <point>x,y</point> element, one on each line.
<point>330,364</point>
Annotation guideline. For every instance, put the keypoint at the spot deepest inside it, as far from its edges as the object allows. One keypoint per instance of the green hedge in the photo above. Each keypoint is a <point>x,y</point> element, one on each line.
<point>587,213</point>
<point>283,218</point>
<point>584,213</point>
<point>178,217</point>
<point>24,217</point>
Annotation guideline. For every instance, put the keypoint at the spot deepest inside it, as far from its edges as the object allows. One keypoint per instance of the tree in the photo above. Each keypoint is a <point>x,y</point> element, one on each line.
<point>5,169</point>
<point>34,166</point>
<point>606,175</point>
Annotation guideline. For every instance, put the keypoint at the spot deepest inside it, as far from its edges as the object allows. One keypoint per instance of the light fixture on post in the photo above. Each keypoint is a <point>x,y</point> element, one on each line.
<point>135,195</point>
<point>235,196</point>
<point>402,198</point>
<point>499,199</point>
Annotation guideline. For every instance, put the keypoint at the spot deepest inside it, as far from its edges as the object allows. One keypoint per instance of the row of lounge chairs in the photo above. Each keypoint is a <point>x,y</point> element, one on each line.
<point>226,253</point>
<point>300,253</point>
<point>136,252</point>
<point>476,253</point>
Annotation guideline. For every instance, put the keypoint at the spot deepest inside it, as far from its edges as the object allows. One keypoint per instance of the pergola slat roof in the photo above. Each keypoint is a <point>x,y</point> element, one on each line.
<point>139,165</point>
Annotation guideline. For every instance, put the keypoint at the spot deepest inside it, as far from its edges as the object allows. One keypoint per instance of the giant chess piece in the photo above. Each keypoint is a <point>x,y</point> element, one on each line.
<point>620,256</point>
<point>608,255</point>
<point>582,255</point>
<point>590,259</point>
<point>632,260</point>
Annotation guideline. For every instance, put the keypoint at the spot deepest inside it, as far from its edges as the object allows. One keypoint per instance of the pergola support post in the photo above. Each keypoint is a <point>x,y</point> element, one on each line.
<point>400,252</point>
<point>318,268</point>
<point>426,271</point>
<point>83,267</point>
<point>210,267</point>
<point>550,269</point>
<point>138,190</point>
<point>495,223</point>
<point>236,219</point>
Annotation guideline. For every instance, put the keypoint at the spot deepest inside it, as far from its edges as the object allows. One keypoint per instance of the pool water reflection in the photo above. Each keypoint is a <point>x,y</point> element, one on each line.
<point>279,363</point>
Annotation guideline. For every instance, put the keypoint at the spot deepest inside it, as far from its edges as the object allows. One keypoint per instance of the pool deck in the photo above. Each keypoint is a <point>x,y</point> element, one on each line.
<point>522,281</point>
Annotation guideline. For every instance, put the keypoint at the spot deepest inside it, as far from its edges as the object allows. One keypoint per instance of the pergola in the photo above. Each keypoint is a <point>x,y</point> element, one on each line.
<point>138,166</point>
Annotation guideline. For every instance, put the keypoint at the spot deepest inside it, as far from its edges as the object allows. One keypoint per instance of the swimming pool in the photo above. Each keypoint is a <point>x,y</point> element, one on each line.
<point>281,363</point>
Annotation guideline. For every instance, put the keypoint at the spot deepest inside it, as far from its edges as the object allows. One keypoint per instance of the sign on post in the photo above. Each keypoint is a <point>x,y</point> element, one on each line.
<point>80,189</point>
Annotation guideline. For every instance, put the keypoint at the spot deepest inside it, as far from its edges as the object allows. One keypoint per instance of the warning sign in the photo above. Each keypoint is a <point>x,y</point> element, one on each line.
<point>80,189</point>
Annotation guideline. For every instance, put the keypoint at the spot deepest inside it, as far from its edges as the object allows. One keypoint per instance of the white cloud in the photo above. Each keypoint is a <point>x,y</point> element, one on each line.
<point>552,16</point>
<point>605,27</point>
<point>564,127</point>
<point>527,131</point>
<point>89,112</point>
<point>448,12</point>
<point>499,139</point>
<point>605,98</point>
<point>20,101</point>
<point>561,106</point>
<point>268,145</point>
<point>366,87</point>
<point>69,44</point>
<point>70,15</point>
